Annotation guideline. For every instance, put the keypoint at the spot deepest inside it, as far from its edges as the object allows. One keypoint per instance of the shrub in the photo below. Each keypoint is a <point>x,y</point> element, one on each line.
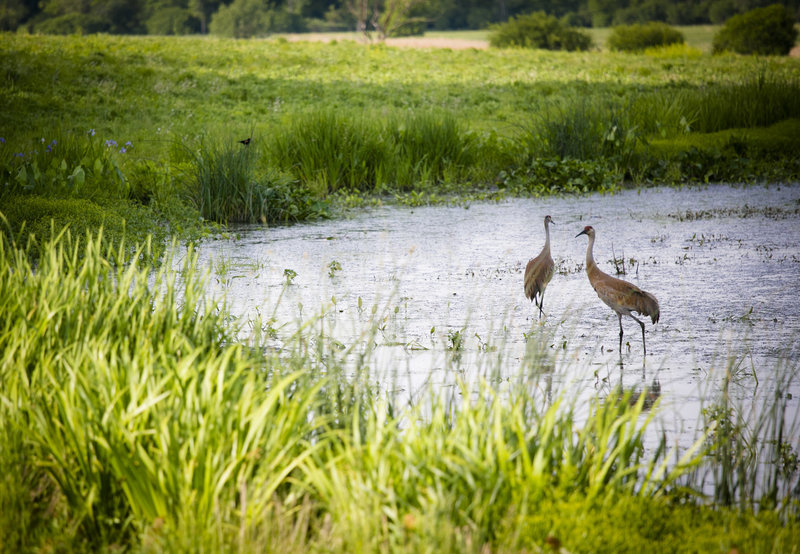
<point>765,31</point>
<point>538,30</point>
<point>635,38</point>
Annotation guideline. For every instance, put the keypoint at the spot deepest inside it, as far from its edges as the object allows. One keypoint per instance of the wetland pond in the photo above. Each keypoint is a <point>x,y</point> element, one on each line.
<point>446,284</point>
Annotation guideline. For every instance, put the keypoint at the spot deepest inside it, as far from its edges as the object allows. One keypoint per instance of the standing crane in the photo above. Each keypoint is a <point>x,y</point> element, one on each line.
<point>540,270</point>
<point>619,295</point>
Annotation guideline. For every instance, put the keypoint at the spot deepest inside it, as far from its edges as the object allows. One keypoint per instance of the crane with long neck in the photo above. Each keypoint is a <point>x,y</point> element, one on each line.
<point>619,295</point>
<point>539,271</point>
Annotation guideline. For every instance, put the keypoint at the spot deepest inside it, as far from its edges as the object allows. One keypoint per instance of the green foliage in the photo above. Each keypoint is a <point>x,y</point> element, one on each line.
<point>332,150</point>
<point>747,155</point>
<point>767,31</point>
<point>146,383</point>
<point>40,219</point>
<point>638,37</point>
<point>544,176</point>
<point>329,150</point>
<point>430,147</point>
<point>172,20</point>
<point>759,101</point>
<point>538,30</point>
<point>363,118</point>
<point>71,23</point>
<point>228,189</point>
<point>582,129</point>
<point>131,416</point>
<point>65,165</point>
<point>252,18</point>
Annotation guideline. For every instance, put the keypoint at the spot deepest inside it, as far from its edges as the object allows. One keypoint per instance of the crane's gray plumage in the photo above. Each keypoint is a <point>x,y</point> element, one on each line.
<point>619,295</point>
<point>540,270</point>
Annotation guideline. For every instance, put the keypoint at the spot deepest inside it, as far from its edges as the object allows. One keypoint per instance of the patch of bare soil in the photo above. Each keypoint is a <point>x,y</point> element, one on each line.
<point>452,43</point>
<point>795,52</point>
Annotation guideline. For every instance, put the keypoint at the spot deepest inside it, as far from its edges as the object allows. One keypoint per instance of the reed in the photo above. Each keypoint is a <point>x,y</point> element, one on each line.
<point>229,187</point>
<point>329,151</point>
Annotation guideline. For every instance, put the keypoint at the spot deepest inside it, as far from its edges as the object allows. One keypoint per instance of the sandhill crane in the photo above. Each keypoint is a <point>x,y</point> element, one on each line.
<point>619,295</point>
<point>540,270</point>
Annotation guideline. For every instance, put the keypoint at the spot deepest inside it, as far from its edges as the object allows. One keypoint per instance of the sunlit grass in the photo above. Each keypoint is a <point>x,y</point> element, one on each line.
<point>135,413</point>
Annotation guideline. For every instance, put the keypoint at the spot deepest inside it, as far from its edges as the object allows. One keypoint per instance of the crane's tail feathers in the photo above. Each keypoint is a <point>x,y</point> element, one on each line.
<point>650,307</point>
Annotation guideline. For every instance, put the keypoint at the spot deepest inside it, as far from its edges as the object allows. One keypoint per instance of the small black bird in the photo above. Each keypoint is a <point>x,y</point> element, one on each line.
<point>245,141</point>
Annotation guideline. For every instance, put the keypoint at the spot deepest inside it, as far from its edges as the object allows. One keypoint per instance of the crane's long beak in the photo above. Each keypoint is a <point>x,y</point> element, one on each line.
<point>581,233</point>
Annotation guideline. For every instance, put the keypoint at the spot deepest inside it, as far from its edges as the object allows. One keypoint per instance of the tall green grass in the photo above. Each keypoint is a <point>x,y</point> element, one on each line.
<point>757,102</point>
<point>332,150</point>
<point>135,414</point>
<point>227,186</point>
<point>752,449</point>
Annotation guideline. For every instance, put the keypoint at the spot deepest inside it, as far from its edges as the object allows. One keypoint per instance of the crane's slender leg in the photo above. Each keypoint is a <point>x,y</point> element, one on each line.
<point>641,324</point>
<point>541,305</point>
<point>620,332</point>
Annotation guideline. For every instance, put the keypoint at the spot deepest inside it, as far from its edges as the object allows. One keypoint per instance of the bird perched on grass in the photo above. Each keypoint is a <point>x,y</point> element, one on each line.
<point>246,141</point>
<point>619,295</point>
<point>539,271</point>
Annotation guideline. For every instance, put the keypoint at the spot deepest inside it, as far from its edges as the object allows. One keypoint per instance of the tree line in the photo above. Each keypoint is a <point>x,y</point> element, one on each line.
<point>243,18</point>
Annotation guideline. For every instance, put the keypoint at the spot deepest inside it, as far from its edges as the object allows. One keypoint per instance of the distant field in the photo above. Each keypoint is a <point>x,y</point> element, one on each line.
<point>697,36</point>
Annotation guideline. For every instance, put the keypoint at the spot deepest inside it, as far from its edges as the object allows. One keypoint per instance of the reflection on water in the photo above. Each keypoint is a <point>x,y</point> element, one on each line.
<point>724,263</point>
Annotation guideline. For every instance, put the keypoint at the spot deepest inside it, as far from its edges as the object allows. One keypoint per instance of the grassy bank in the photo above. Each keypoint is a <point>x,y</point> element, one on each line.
<point>146,128</point>
<point>132,418</point>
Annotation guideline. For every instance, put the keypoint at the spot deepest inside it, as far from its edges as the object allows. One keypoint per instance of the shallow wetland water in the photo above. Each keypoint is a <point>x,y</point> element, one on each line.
<point>723,261</point>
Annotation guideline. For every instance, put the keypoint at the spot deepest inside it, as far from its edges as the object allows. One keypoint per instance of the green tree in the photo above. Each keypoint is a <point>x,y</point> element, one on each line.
<point>765,31</point>
<point>12,13</point>
<point>172,20</point>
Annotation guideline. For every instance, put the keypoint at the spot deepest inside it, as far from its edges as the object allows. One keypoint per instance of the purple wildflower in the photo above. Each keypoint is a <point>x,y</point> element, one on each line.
<point>129,144</point>
<point>2,140</point>
<point>110,143</point>
<point>91,132</point>
<point>122,150</point>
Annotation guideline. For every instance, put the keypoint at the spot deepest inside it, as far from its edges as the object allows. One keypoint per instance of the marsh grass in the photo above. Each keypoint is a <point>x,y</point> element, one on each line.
<point>329,151</point>
<point>134,415</point>
<point>754,455</point>
<point>333,150</point>
<point>756,102</point>
<point>229,187</point>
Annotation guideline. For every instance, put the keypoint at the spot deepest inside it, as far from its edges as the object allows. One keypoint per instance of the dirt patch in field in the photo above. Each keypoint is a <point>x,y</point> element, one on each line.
<point>406,42</point>
<point>795,52</point>
<point>452,43</point>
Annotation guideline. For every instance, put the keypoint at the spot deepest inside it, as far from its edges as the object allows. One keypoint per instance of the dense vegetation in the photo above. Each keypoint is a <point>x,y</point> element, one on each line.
<point>244,18</point>
<point>135,415</point>
<point>538,30</point>
<point>133,130</point>
<point>641,36</point>
<point>766,31</point>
